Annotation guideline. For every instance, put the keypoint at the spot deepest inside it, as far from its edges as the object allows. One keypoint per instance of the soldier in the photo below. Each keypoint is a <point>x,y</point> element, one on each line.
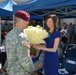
<point>18,47</point>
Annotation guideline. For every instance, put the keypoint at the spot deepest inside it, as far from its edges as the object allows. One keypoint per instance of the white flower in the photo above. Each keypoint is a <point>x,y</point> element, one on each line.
<point>36,34</point>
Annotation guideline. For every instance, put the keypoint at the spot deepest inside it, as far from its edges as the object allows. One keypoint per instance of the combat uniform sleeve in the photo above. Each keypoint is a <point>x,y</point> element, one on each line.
<point>23,54</point>
<point>11,44</point>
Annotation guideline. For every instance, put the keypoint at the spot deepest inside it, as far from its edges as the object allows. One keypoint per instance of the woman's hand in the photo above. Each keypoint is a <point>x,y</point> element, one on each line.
<point>31,44</point>
<point>26,44</point>
<point>36,46</point>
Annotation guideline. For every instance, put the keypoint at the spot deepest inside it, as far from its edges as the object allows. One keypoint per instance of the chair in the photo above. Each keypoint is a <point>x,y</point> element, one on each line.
<point>69,63</point>
<point>71,46</point>
<point>70,53</point>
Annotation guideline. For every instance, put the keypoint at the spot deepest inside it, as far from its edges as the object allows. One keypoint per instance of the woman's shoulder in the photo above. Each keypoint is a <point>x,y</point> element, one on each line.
<point>57,33</point>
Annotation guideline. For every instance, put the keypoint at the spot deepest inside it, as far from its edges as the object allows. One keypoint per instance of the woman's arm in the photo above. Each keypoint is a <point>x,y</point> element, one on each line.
<point>56,43</point>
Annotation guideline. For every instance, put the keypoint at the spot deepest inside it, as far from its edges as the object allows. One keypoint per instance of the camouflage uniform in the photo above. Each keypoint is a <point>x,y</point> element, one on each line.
<point>17,54</point>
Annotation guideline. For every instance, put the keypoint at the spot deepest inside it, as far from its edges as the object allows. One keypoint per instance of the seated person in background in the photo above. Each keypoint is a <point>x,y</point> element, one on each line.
<point>37,58</point>
<point>3,50</point>
<point>62,44</point>
<point>34,54</point>
<point>39,63</point>
<point>60,49</point>
<point>64,37</point>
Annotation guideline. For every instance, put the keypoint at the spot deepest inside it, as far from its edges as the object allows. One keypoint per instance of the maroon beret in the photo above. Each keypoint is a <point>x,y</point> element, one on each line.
<point>23,15</point>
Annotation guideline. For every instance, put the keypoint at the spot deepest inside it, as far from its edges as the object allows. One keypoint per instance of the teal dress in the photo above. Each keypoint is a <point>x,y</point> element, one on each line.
<point>51,60</point>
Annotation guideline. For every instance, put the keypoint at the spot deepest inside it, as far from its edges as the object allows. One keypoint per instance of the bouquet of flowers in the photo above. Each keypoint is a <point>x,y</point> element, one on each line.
<point>36,35</point>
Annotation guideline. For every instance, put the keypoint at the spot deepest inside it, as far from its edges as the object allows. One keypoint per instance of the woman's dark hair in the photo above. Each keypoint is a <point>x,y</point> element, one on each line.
<point>55,21</point>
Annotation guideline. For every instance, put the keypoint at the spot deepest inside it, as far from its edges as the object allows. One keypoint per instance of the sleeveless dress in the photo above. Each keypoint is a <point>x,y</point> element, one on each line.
<point>51,60</point>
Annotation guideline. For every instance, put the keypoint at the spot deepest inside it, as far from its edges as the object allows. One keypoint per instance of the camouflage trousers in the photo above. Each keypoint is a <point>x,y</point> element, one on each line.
<point>33,73</point>
<point>15,74</point>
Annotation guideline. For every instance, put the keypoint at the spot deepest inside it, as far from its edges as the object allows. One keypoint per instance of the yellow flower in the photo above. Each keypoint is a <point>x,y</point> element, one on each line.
<point>36,34</point>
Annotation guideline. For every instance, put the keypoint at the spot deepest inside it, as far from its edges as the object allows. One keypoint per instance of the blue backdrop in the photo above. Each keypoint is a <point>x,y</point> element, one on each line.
<point>64,8</point>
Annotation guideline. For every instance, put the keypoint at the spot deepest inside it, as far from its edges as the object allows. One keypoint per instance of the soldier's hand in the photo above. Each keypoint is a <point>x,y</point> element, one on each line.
<point>26,44</point>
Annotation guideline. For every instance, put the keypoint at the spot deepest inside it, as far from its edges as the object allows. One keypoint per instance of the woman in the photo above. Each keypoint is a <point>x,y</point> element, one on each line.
<point>51,60</point>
